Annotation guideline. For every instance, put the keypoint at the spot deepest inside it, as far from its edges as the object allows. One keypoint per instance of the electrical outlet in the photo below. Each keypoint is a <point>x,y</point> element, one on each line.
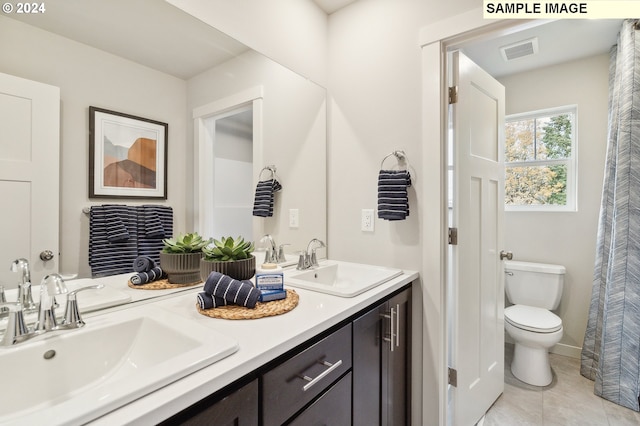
<point>367,220</point>
<point>294,218</point>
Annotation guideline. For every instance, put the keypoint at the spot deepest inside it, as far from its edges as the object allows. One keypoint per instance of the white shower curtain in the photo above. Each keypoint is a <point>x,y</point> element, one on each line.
<point>611,349</point>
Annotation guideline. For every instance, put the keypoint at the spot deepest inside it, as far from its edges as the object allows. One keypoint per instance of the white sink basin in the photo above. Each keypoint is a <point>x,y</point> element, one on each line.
<point>344,279</point>
<point>77,375</point>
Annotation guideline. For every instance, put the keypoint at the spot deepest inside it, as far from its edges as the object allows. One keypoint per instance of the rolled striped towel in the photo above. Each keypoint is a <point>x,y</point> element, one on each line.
<point>147,276</point>
<point>207,301</point>
<point>263,202</point>
<point>235,292</point>
<point>143,264</point>
<point>393,199</point>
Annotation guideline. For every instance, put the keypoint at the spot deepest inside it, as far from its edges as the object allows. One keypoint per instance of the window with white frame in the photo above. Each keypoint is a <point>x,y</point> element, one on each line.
<point>540,160</point>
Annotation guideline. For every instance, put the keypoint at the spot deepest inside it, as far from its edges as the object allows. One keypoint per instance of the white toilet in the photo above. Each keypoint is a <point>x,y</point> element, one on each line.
<point>534,289</point>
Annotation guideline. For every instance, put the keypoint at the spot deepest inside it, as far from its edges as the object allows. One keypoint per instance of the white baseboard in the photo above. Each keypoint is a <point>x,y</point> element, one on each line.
<point>566,350</point>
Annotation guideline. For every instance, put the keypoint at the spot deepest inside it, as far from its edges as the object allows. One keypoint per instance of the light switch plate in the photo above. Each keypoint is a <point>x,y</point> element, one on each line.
<point>294,218</point>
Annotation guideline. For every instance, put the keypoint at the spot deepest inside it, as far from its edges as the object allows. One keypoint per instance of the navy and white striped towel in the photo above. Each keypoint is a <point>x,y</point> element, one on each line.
<point>152,222</point>
<point>155,222</point>
<point>115,218</point>
<point>263,202</point>
<point>393,199</point>
<point>107,256</point>
<point>207,301</point>
<point>146,271</point>
<point>235,292</point>
<point>143,264</point>
<point>147,276</point>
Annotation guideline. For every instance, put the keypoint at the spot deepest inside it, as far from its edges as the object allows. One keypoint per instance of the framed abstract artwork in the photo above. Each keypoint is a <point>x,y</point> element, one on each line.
<point>127,156</point>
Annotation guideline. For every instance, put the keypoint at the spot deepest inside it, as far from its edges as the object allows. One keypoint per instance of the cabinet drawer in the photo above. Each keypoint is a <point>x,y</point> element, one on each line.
<point>332,408</point>
<point>295,382</point>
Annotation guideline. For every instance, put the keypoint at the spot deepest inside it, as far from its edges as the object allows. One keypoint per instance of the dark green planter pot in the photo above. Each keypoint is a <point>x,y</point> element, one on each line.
<point>181,268</point>
<point>238,269</point>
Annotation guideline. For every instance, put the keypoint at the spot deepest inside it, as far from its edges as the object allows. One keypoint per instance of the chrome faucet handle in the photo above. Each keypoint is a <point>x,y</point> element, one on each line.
<point>267,256</point>
<point>281,257</point>
<point>17,330</point>
<point>72,318</point>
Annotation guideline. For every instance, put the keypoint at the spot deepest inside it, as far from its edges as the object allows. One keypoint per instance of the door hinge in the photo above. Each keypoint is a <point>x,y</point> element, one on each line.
<point>453,94</point>
<point>453,236</point>
<point>453,377</point>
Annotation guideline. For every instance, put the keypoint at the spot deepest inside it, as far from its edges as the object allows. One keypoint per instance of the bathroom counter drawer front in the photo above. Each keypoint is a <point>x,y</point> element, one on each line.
<point>332,408</point>
<point>283,388</point>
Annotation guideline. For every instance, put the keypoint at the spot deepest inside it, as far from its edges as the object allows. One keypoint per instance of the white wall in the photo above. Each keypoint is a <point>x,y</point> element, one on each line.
<point>375,87</point>
<point>293,139</point>
<point>291,32</point>
<point>566,238</point>
<point>91,77</point>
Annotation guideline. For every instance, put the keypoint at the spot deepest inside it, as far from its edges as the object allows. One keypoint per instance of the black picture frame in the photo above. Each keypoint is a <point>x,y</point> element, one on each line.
<point>127,156</point>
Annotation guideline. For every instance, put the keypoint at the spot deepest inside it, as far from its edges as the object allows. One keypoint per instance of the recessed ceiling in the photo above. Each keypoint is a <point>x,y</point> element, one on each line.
<point>558,41</point>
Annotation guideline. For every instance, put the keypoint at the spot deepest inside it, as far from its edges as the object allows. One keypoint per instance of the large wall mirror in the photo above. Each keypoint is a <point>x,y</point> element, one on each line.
<point>111,53</point>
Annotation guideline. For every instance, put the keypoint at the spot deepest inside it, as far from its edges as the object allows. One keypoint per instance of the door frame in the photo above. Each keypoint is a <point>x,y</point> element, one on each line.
<point>203,173</point>
<point>435,41</point>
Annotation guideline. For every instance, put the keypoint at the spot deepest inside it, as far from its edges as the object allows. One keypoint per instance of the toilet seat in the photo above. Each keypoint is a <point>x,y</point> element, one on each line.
<point>530,318</point>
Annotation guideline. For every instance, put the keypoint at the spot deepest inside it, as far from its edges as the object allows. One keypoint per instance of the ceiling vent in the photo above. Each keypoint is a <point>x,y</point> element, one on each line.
<point>520,49</point>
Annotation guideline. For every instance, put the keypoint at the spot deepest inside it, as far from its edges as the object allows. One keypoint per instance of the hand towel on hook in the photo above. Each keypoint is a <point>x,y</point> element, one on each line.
<point>263,203</point>
<point>393,199</point>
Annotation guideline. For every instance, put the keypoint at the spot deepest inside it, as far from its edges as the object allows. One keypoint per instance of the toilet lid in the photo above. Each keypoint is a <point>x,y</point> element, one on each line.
<point>533,319</point>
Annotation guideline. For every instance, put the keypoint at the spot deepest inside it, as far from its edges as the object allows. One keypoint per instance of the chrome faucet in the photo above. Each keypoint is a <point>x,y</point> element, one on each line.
<point>308,258</point>
<point>273,255</point>
<point>24,286</point>
<point>270,255</point>
<point>49,286</point>
<point>17,330</point>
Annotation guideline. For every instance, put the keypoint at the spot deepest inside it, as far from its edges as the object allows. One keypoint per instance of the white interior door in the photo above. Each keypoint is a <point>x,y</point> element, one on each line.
<point>29,176</point>
<point>477,287</point>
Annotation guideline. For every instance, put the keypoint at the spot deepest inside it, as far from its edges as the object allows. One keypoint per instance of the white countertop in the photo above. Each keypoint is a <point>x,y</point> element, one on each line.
<point>260,341</point>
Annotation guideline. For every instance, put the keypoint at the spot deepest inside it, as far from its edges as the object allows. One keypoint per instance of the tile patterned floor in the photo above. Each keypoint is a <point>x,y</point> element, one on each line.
<point>568,400</point>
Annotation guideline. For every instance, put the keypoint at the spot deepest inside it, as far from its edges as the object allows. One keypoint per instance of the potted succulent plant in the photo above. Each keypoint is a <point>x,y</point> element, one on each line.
<point>230,257</point>
<point>180,258</point>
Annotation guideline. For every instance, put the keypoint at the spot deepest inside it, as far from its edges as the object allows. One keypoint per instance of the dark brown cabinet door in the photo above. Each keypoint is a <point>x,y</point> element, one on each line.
<point>381,351</point>
<point>396,361</point>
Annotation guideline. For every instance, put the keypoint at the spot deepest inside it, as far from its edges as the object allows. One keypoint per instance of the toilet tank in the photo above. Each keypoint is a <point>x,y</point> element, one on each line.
<point>534,284</point>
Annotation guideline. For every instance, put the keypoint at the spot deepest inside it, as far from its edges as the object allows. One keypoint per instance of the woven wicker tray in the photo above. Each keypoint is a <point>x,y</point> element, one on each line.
<point>160,285</point>
<point>266,309</point>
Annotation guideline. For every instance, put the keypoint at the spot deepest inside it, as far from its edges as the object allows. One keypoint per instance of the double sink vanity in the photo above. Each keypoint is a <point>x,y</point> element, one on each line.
<point>340,353</point>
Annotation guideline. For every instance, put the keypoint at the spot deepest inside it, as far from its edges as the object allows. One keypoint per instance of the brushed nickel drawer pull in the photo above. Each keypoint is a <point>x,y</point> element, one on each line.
<point>314,380</point>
